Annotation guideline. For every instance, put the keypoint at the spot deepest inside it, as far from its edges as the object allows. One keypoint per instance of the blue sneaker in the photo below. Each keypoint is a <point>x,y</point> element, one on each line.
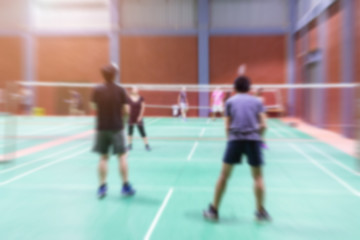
<point>262,215</point>
<point>264,146</point>
<point>127,190</point>
<point>211,214</point>
<point>102,191</point>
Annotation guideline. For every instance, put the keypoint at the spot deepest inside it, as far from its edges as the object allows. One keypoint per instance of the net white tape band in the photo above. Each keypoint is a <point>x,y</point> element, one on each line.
<point>268,107</point>
<point>190,87</point>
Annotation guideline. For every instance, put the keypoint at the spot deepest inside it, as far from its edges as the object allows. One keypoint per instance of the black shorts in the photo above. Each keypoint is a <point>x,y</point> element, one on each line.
<point>106,139</point>
<point>251,149</point>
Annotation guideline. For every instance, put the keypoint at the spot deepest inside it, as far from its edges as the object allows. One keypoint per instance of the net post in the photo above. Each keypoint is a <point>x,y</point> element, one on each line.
<point>357,126</point>
<point>10,123</point>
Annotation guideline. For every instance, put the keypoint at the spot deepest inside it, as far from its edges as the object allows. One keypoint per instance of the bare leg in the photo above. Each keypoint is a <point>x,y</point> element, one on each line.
<point>146,141</point>
<point>103,169</point>
<point>221,184</point>
<point>183,113</point>
<point>130,138</point>
<point>130,135</point>
<point>141,129</point>
<point>123,167</point>
<point>262,132</point>
<point>259,188</point>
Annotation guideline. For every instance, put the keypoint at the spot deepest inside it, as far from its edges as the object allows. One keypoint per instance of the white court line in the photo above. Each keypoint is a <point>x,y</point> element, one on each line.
<point>215,160</point>
<point>283,129</point>
<point>187,189</point>
<point>328,172</point>
<point>208,121</point>
<point>153,120</point>
<point>40,159</point>
<point>277,133</point>
<point>202,132</point>
<point>42,167</point>
<point>60,129</point>
<point>158,214</point>
<point>32,132</point>
<point>192,151</point>
<point>335,161</point>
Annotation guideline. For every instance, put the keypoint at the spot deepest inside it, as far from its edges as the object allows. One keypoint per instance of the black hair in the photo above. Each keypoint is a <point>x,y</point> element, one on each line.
<point>242,84</point>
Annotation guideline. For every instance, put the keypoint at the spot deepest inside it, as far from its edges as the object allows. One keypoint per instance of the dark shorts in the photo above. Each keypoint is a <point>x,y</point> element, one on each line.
<point>251,149</point>
<point>106,139</point>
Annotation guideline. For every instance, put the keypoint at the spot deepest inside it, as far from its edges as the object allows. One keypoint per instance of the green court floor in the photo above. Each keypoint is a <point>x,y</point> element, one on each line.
<point>313,190</point>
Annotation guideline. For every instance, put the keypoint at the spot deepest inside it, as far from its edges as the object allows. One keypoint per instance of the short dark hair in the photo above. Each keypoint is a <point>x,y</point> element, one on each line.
<point>109,72</point>
<point>242,84</point>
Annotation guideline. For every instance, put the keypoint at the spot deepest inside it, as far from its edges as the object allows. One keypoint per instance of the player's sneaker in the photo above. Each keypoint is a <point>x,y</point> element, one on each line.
<point>147,147</point>
<point>101,193</point>
<point>262,215</point>
<point>127,190</point>
<point>211,214</point>
<point>263,145</point>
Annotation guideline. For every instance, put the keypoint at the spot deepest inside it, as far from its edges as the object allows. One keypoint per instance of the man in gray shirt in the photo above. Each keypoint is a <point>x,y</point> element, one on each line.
<point>245,122</point>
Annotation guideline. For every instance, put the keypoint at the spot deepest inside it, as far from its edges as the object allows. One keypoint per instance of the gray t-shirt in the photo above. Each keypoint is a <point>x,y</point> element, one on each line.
<point>244,110</point>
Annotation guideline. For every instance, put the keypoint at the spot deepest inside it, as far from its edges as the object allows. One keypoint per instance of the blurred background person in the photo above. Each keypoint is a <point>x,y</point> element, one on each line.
<point>183,103</point>
<point>241,70</point>
<point>24,98</point>
<point>217,102</point>
<point>137,110</point>
<point>2,101</point>
<point>175,110</point>
<point>259,93</point>
<point>75,103</point>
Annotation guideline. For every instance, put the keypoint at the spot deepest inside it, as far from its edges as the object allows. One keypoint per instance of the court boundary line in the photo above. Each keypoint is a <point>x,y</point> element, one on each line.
<point>192,151</point>
<point>327,171</point>
<point>281,128</point>
<point>153,120</point>
<point>40,168</point>
<point>33,132</point>
<point>202,132</point>
<point>47,145</point>
<point>289,190</point>
<point>40,159</point>
<point>276,132</point>
<point>158,214</point>
<point>60,129</point>
<point>332,159</point>
<point>206,160</point>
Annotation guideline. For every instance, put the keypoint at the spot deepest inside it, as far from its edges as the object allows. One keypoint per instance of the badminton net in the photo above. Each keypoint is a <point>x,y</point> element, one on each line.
<point>38,112</point>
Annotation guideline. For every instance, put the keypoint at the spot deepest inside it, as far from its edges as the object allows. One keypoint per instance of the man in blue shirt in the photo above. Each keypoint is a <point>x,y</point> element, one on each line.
<point>245,122</point>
